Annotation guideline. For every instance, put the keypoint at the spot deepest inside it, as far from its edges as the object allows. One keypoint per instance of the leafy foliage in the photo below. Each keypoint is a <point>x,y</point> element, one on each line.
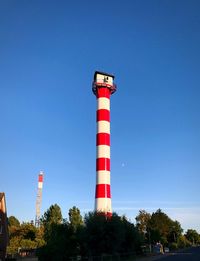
<point>192,236</point>
<point>50,219</point>
<point>110,235</point>
<point>163,229</point>
<point>183,242</point>
<point>13,222</point>
<point>24,235</point>
<point>75,218</point>
<point>52,216</point>
<point>142,220</point>
<point>95,235</point>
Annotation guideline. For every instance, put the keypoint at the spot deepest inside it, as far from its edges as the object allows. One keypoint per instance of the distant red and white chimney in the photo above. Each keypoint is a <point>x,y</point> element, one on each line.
<point>39,198</point>
<point>103,87</point>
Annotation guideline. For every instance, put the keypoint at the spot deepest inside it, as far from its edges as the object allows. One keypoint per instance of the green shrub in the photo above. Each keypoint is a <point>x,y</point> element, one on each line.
<point>173,246</point>
<point>183,242</point>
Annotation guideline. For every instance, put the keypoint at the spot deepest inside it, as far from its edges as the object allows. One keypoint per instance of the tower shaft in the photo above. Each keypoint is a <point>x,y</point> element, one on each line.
<point>103,191</point>
<point>103,87</point>
<point>39,198</point>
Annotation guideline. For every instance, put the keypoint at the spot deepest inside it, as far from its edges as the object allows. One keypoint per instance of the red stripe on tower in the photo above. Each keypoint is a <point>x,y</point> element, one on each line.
<point>102,92</point>
<point>40,178</point>
<point>103,115</point>
<point>102,164</point>
<point>103,191</point>
<point>103,139</point>
<point>103,87</point>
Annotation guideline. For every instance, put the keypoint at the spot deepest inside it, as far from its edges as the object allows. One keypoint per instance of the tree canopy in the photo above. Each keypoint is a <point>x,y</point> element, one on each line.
<point>95,234</point>
<point>192,236</point>
<point>75,218</point>
<point>24,235</point>
<point>13,221</point>
<point>50,219</point>
<point>53,215</point>
<point>142,221</point>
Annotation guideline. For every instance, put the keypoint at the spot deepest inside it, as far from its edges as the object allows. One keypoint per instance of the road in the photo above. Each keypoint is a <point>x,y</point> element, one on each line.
<point>190,254</point>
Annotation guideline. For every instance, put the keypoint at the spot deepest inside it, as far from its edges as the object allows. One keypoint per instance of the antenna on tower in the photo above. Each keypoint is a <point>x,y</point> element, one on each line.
<point>39,198</point>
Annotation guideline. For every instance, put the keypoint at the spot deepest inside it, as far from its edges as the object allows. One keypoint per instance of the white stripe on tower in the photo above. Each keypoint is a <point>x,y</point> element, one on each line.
<point>103,151</point>
<point>103,103</point>
<point>103,127</point>
<point>103,177</point>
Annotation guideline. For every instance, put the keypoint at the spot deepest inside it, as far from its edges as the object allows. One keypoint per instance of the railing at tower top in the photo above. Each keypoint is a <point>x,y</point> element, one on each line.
<point>95,84</point>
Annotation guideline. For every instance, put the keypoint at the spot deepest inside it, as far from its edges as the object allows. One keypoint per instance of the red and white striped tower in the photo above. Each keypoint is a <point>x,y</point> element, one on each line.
<point>39,198</point>
<point>103,87</point>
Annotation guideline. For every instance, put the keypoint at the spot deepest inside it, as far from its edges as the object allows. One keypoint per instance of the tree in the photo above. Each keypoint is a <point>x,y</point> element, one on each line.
<point>51,217</point>
<point>133,239</point>
<point>95,233</point>
<point>183,242</point>
<point>110,235</point>
<point>56,246</point>
<point>142,220</point>
<point>62,238</point>
<point>28,244</point>
<point>75,218</point>
<point>164,229</point>
<point>54,235</point>
<point>13,221</point>
<point>175,231</point>
<point>192,236</point>
<point>13,225</point>
<point>14,244</point>
<point>115,234</point>
<point>159,226</point>
<point>28,231</point>
<point>22,236</point>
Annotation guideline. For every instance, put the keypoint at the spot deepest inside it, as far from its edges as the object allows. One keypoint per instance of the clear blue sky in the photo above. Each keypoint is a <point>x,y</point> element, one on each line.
<point>49,51</point>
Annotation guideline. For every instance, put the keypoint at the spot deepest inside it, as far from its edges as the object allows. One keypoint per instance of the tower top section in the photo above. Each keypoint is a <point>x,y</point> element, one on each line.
<point>103,80</point>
